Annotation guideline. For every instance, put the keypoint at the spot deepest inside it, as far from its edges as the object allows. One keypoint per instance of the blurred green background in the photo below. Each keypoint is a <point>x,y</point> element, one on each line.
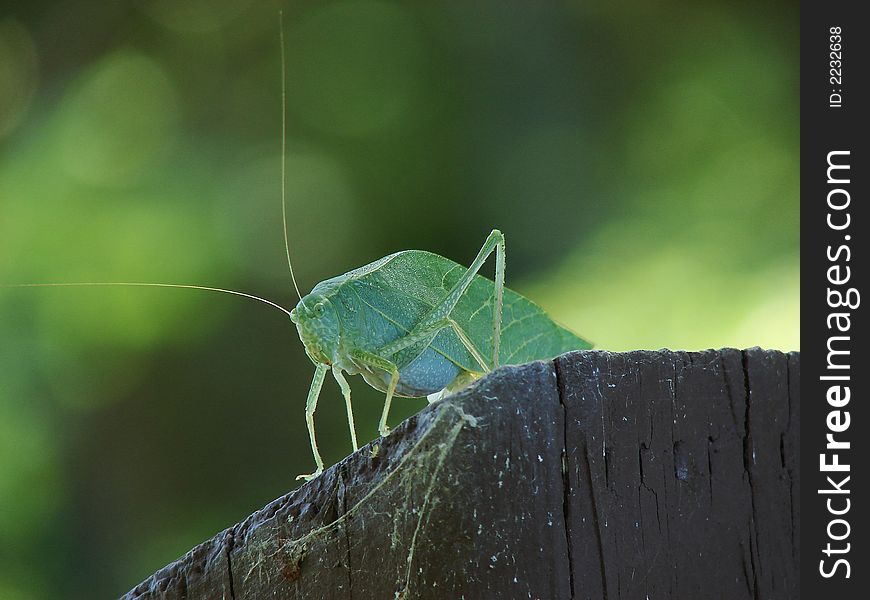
<point>641,158</point>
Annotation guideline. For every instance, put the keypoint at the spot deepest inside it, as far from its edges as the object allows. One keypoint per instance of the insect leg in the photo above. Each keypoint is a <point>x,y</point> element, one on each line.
<point>499,297</point>
<point>469,345</point>
<point>373,360</point>
<point>383,428</point>
<point>427,334</point>
<point>345,391</point>
<point>495,241</point>
<point>310,405</point>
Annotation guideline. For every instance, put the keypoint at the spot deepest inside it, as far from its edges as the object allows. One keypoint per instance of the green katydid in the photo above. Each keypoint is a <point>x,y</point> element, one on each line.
<point>416,324</point>
<point>412,324</point>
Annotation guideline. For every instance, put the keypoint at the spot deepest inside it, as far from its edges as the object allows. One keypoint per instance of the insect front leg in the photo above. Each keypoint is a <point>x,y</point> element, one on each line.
<point>373,360</point>
<point>310,406</point>
<point>345,391</point>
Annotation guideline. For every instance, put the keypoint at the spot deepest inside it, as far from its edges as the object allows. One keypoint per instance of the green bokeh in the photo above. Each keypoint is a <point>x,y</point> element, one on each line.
<point>641,158</point>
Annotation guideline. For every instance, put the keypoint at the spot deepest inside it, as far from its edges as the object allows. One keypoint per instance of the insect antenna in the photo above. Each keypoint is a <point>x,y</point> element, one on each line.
<point>284,153</point>
<point>159,285</point>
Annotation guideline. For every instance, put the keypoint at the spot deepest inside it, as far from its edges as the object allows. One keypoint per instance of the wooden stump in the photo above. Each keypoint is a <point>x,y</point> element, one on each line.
<point>597,475</point>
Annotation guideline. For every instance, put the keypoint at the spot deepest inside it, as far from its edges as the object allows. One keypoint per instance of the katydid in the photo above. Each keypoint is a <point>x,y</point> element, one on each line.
<point>417,324</point>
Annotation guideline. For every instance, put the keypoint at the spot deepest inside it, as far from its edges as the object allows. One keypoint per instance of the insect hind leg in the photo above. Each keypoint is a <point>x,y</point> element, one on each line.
<point>494,242</point>
<point>499,296</point>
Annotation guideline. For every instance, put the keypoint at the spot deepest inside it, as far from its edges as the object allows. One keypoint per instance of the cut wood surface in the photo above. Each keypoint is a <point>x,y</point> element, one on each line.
<point>596,475</point>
